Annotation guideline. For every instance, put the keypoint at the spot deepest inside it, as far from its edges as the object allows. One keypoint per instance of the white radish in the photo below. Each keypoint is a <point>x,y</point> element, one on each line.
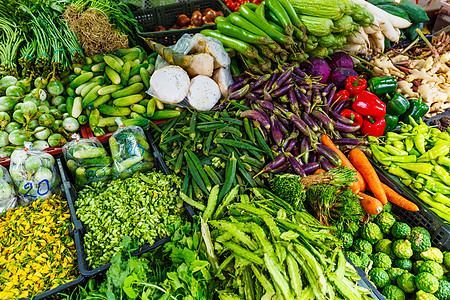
<point>223,78</point>
<point>370,30</point>
<point>203,93</point>
<point>382,15</point>
<point>389,31</point>
<point>170,84</point>
<point>356,38</point>
<point>352,48</point>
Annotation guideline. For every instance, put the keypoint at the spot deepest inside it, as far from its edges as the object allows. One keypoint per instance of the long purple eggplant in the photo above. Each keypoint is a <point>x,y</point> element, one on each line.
<point>293,101</point>
<point>295,164</point>
<point>296,153</point>
<point>266,104</point>
<point>282,168</point>
<point>283,121</point>
<point>277,135</point>
<point>329,154</point>
<point>303,99</point>
<point>281,107</point>
<point>238,85</point>
<point>340,118</point>
<point>323,118</point>
<point>259,82</point>
<point>252,97</point>
<point>325,164</point>
<point>350,141</point>
<point>313,156</point>
<point>280,82</point>
<point>283,128</point>
<point>345,127</point>
<point>310,121</point>
<point>311,167</point>
<point>298,80</point>
<point>330,96</point>
<point>305,147</point>
<point>314,86</point>
<point>258,91</point>
<point>298,122</point>
<point>289,145</point>
<point>327,89</point>
<point>340,106</point>
<point>268,86</point>
<point>257,116</point>
<point>281,91</point>
<point>239,94</point>
<point>299,72</point>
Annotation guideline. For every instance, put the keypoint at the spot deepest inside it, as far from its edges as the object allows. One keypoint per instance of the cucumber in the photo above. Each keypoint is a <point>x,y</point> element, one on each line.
<point>114,111</point>
<point>98,67</point>
<point>131,56</point>
<point>77,107</point>
<point>138,108</point>
<point>165,114</point>
<point>112,128</point>
<point>144,102</point>
<point>136,69</point>
<point>145,77</point>
<point>395,10</point>
<point>98,58</point>
<point>123,52</point>
<point>87,67</point>
<point>129,90</point>
<point>109,89</point>
<point>415,12</point>
<point>82,119</point>
<point>69,104</point>
<point>151,107</point>
<point>95,162</point>
<point>99,101</point>
<point>90,97</point>
<point>125,74</point>
<point>113,63</point>
<point>86,90</point>
<point>94,117</point>
<point>135,115</point>
<point>91,152</point>
<point>81,79</point>
<point>71,165</point>
<point>128,100</point>
<point>70,91</point>
<point>112,75</point>
<point>134,79</point>
<point>80,177</point>
<point>159,104</point>
<point>107,122</point>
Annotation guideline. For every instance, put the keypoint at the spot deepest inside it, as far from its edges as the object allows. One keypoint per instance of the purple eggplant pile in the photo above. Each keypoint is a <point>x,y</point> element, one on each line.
<point>292,111</point>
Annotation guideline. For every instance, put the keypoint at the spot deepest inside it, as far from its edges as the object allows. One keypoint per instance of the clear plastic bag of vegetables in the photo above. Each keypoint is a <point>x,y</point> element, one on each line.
<point>8,197</point>
<point>87,160</point>
<point>34,174</point>
<point>130,151</point>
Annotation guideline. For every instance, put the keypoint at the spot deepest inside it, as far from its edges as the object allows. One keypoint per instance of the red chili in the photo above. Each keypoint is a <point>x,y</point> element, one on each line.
<point>340,96</point>
<point>368,104</point>
<point>355,85</point>
<point>375,129</point>
<point>352,115</point>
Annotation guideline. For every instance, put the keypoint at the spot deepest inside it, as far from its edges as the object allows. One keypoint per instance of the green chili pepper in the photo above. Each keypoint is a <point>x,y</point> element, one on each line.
<point>405,128</point>
<point>444,136</point>
<point>406,182</point>
<point>442,174</point>
<point>409,143</point>
<point>401,158</point>
<point>397,171</point>
<point>413,151</point>
<point>442,199</point>
<point>423,168</point>
<point>379,155</point>
<point>435,152</point>
<point>392,136</point>
<point>443,160</point>
<point>399,145</point>
<point>437,187</point>
<point>395,151</point>
<point>419,142</point>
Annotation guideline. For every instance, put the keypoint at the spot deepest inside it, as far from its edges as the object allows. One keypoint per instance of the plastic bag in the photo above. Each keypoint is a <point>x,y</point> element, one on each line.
<point>8,197</point>
<point>130,151</point>
<point>33,173</point>
<point>88,161</point>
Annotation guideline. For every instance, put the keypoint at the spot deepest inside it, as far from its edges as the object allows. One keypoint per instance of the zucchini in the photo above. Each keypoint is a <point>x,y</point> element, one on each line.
<point>99,101</point>
<point>396,11</point>
<point>112,75</point>
<point>415,12</point>
<point>317,26</point>
<point>114,111</point>
<point>109,89</point>
<point>128,100</point>
<point>90,97</point>
<point>81,79</point>
<point>331,9</point>
<point>129,90</point>
<point>77,107</point>
<point>165,114</point>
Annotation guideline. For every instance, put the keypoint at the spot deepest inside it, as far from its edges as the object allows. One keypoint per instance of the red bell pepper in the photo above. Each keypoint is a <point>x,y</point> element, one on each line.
<point>354,116</point>
<point>368,104</point>
<point>355,85</point>
<point>340,96</point>
<point>375,129</point>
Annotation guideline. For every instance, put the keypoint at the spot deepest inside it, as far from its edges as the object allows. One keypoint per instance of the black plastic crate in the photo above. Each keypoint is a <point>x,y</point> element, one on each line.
<point>167,15</point>
<point>71,196</point>
<point>66,288</point>
<point>439,231</point>
<point>436,120</point>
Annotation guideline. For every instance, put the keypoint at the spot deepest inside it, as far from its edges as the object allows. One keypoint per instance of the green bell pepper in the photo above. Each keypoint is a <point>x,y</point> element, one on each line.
<point>382,85</point>
<point>391,122</point>
<point>416,110</point>
<point>398,105</point>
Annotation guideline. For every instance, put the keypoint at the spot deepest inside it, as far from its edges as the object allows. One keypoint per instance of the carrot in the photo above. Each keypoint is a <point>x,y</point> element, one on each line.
<point>370,204</point>
<point>362,164</point>
<point>358,186</point>
<point>398,199</point>
<point>319,171</point>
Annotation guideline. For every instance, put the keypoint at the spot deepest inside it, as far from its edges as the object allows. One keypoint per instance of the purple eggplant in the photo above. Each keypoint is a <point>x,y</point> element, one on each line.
<point>302,98</point>
<point>340,118</point>
<point>283,121</point>
<point>327,89</point>
<point>281,91</point>
<point>298,80</point>
<point>311,167</point>
<point>289,144</point>
<point>341,105</point>
<point>277,135</point>
<point>238,85</point>
<point>310,121</point>
<point>296,153</point>
<point>314,86</point>
<point>270,82</point>
<point>280,82</point>
<point>322,117</point>
<point>305,147</point>
<point>325,164</point>
<point>281,107</point>
<point>252,97</point>
<point>266,104</point>
<point>258,91</point>
<point>345,127</point>
<point>293,101</point>
<point>313,156</point>
<point>283,128</point>
<point>239,94</point>
<point>267,96</point>
<point>276,163</point>
<point>299,72</point>
<point>257,116</point>
<point>329,154</point>
<point>259,82</point>
<point>298,122</point>
<point>350,141</point>
<point>282,168</point>
<point>330,96</point>
<point>295,164</point>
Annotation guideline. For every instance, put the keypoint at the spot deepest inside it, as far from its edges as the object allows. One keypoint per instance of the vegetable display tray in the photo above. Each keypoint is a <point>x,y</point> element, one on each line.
<point>71,196</point>
<point>439,231</point>
<point>167,15</point>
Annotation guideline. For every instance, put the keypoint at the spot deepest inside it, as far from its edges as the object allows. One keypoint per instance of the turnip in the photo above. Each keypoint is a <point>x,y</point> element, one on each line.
<point>203,93</point>
<point>4,120</point>
<point>12,126</point>
<point>32,163</point>
<point>170,84</point>
<point>7,81</point>
<point>6,190</point>
<point>17,137</point>
<point>41,145</point>
<point>4,141</point>
<point>223,79</point>
<point>71,124</point>
<point>46,120</point>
